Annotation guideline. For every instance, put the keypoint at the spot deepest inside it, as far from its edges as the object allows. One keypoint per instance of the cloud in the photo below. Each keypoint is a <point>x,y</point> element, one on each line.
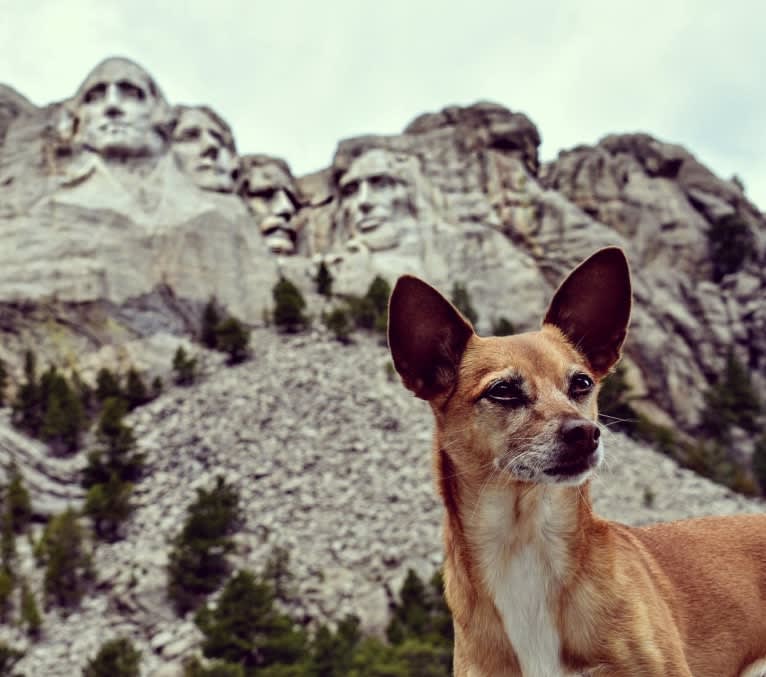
<point>293,78</point>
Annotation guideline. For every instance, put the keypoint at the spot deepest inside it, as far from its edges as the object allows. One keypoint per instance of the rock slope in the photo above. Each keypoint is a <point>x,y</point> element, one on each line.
<point>331,457</point>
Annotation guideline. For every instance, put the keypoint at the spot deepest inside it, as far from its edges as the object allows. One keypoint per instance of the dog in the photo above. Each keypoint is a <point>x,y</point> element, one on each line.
<point>539,585</point>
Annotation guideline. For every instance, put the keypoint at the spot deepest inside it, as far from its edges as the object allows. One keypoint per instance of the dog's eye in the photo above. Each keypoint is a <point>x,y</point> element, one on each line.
<point>580,385</point>
<point>506,392</point>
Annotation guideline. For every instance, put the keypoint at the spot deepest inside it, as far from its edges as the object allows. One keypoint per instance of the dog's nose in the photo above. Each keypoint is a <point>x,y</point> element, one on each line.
<point>580,436</point>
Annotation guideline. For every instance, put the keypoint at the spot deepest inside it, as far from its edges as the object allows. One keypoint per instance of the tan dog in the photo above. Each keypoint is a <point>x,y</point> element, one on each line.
<point>538,585</point>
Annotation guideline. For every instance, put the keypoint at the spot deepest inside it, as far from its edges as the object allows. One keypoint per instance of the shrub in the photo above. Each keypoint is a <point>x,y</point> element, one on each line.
<point>3,382</point>
<point>67,565</point>
<point>730,243</point>
<point>30,614</point>
<point>233,338</point>
<point>107,385</point>
<point>108,506</point>
<point>246,628</point>
<point>733,400</point>
<point>6,590</point>
<point>17,503</point>
<point>194,668</point>
<point>289,305</point>
<point>115,658</point>
<point>136,392</point>
<point>759,463</point>
<point>502,326</point>
<point>63,418</point>
<point>211,318</point>
<point>462,301</point>
<point>27,407</point>
<point>185,367</point>
<point>338,321</point>
<point>198,558</point>
<point>323,280</point>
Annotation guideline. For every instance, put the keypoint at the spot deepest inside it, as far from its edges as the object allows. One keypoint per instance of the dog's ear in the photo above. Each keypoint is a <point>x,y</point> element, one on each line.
<point>592,307</point>
<point>427,336</point>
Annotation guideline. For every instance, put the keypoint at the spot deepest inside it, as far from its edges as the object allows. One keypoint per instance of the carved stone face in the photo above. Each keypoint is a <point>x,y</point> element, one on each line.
<point>120,111</point>
<point>270,193</point>
<point>204,147</point>
<point>376,197</point>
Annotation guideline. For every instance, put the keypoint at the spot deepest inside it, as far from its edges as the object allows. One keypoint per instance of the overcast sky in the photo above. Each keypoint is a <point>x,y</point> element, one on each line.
<point>293,78</point>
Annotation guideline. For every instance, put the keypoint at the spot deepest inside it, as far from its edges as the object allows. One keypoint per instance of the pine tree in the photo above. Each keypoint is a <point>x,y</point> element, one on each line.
<point>115,658</point>
<point>3,382</point>
<point>107,385</point>
<point>246,628</point>
<point>288,306</point>
<point>211,318</point>
<point>17,501</point>
<point>30,614</point>
<point>136,393</point>
<point>233,338</point>
<point>27,408</point>
<point>323,280</point>
<point>462,301</point>
<point>759,463</point>
<point>63,418</point>
<point>338,321</point>
<point>108,505</point>
<point>67,564</point>
<point>198,559</point>
<point>185,367</point>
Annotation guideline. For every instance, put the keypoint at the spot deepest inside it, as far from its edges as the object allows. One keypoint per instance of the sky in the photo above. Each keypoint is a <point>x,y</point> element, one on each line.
<point>293,77</point>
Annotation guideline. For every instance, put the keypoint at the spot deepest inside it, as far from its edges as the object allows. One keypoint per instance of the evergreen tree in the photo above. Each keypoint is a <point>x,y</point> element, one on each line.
<point>115,658</point>
<point>185,367</point>
<point>211,318</point>
<point>16,500</point>
<point>462,301</point>
<point>3,382</point>
<point>246,628</point>
<point>107,385</point>
<point>233,338</point>
<point>730,243</point>
<point>377,294</point>
<point>108,505</point>
<point>332,653</point>
<point>156,387</point>
<point>30,614</point>
<point>84,393</point>
<point>323,280</point>
<point>759,463</point>
<point>136,392</point>
<point>502,326</point>
<point>194,668</point>
<point>288,306</point>
<point>67,564</point>
<point>27,408</point>
<point>338,321</point>
<point>6,590</point>
<point>63,417</point>
<point>198,559</point>
<point>732,401</point>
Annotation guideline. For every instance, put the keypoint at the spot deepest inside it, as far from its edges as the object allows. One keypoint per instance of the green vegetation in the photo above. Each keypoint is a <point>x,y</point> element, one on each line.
<point>730,243</point>
<point>3,382</point>
<point>338,321</point>
<point>30,614</point>
<point>246,634</point>
<point>323,280</point>
<point>731,401</point>
<point>462,301</point>
<point>502,326</point>
<point>289,306</point>
<point>184,367</point>
<point>136,392</point>
<point>115,658</point>
<point>198,558</point>
<point>228,335</point>
<point>8,659</point>
<point>67,565</point>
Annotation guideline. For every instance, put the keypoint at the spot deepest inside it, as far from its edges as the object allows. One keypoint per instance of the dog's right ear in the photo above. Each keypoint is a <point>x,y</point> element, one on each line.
<point>427,336</point>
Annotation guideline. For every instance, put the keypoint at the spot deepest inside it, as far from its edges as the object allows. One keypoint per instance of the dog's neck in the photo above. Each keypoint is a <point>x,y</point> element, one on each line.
<point>516,548</point>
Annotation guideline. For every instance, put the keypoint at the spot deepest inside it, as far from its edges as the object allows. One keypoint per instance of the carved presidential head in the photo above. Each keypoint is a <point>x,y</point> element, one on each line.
<point>269,189</point>
<point>204,146</point>
<point>119,111</point>
<point>376,199</point>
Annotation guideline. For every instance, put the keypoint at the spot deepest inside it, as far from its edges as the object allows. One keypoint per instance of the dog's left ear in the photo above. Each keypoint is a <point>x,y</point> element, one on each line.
<point>592,307</point>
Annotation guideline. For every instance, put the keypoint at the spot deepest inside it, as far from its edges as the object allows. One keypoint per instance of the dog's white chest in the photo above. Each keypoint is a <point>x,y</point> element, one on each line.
<point>520,585</point>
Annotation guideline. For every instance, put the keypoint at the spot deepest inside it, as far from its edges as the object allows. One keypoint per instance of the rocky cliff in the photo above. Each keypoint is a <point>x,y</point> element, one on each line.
<point>121,214</point>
